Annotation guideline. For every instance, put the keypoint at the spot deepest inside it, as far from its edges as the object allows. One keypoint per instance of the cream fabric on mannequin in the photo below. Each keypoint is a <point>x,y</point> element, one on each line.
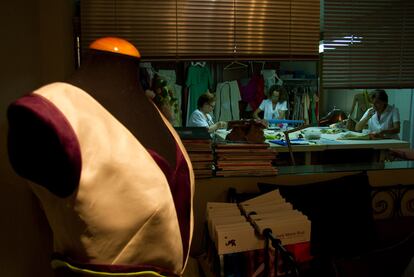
<point>123,211</point>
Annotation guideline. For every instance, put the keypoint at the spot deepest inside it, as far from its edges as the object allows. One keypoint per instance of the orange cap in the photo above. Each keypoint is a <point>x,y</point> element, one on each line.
<point>116,45</point>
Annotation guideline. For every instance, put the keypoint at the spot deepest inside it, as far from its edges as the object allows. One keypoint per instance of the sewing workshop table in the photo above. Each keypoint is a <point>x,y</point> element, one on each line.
<point>329,145</point>
<point>379,148</point>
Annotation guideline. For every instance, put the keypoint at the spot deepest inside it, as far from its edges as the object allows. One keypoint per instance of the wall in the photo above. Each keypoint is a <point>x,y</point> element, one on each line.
<point>401,98</point>
<point>36,49</point>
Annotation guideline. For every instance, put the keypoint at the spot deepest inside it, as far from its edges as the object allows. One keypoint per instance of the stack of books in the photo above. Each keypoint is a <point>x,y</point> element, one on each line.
<point>238,228</point>
<point>197,142</point>
<point>244,159</point>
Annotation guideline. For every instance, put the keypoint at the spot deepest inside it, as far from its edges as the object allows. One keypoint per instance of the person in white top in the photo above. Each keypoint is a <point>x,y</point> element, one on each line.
<point>383,120</point>
<point>201,117</point>
<point>275,106</point>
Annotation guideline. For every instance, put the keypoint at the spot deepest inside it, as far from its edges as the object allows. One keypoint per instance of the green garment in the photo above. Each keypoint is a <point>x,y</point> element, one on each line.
<point>198,82</point>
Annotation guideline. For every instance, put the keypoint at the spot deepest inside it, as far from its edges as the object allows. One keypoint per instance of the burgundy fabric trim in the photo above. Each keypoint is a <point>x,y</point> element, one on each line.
<point>42,145</point>
<point>180,186</point>
<point>110,268</point>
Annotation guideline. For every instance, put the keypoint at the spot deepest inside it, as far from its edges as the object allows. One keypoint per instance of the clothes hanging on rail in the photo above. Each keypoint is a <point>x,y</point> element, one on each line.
<point>170,76</point>
<point>306,105</point>
<point>146,75</point>
<point>360,104</point>
<point>269,78</point>
<point>253,91</point>
<point>227,101</point>
<point>303,103</point>
<point>198,81</point>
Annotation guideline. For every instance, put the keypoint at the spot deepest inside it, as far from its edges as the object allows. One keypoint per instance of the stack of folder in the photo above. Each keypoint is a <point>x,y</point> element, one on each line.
<point>197,142</point>
<point>244,159</point>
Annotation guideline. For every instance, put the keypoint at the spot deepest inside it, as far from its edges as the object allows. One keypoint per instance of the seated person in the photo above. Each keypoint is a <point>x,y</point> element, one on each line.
<point>383,120</point>
<point>201,116</point>
<point>275,106</point>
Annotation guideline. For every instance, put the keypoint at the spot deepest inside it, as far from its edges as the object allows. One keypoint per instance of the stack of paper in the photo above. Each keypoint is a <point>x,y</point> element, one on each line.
<point>197,142</point>
<point>243,159</point>
<point>231,226</point>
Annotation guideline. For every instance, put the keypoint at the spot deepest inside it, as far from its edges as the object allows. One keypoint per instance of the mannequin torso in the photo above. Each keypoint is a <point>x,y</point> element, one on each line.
<point>113,80</point>
<point>111,174</point>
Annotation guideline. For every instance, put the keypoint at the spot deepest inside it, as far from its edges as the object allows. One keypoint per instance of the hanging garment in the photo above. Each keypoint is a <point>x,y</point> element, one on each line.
<point>227,101</point>
<point>198,81</point>
<point>260,92</point>
<point>130,209</point>
<point>269,78</point>
<point>313,119</point>
<point>145,78</point>
<point>170,76</point>
<point>306,105</point>
<point>148,67</point>
<point>253,91</point>
<point>360,104</point>
<point>146,75</point>
<point>316,100</point>
<point>298,104</point>
<point>248,90</point>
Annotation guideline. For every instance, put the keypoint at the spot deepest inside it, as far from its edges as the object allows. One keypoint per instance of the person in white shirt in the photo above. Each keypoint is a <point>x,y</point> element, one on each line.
<point>201,117</point>
<point>275,106</point>
<point>383,120</point>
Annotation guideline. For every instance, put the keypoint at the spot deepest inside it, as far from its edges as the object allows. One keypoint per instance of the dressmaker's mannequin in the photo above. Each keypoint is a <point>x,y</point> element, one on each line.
<point>113,80</point>
<point>110,172</point>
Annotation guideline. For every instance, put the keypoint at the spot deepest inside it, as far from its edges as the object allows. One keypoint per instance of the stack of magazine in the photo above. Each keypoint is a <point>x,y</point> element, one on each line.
<point>197,142</point>
<point>244,159</point>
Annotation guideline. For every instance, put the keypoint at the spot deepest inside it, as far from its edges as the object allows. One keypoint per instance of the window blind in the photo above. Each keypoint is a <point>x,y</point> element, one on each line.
<point>368,44</point>
<point>189,29</point>
<point>205,28</point>
<point>277,28</point>
<point>149,25</point>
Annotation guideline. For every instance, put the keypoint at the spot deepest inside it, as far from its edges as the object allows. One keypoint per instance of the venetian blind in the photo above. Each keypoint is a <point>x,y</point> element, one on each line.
<point>205,28</point>
<point>368,44</point>
<point>188,29</point>
<point>277,28</point>
<point>149,25</point>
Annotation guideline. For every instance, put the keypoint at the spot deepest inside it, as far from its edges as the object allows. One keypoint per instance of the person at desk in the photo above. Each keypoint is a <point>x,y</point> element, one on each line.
<point>201,117</point>
<point>275,106</point>
<point>383,120</point>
